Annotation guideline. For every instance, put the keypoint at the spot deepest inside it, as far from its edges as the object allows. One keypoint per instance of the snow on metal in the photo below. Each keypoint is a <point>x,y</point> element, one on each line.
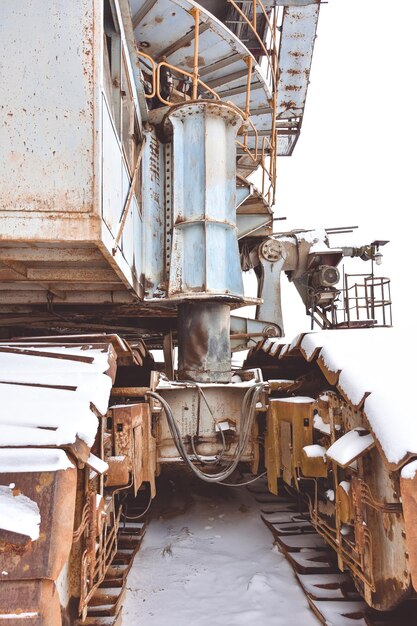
<point>22,460</point>
<point>46,394</point>
<point>358,359</point>
<point>355,360</point>
<point>350,446</point>
<point>18,513</point>
<point>315,451</point>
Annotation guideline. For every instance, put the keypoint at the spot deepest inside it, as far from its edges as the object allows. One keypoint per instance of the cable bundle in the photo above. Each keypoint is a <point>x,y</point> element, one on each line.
<point>247,416</point>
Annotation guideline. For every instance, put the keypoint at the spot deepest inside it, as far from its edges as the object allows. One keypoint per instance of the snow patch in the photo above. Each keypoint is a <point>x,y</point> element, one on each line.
<point>409,470</point>
<point>315,451</point>
<point>46,400</point>
<point>345,484</point>
<point>18,513</point>
<point>19,615</point>
<point>363,358</point>
<point>330,495</point>
<point>351,445</point>
<point>229,575</point>
<point>33,460</point>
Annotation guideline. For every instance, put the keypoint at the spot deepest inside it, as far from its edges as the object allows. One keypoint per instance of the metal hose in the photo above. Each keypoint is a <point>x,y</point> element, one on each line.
<point>248,411</point>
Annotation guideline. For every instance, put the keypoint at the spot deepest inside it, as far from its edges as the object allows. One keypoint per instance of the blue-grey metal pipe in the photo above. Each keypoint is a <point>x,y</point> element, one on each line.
<point>204,353</point>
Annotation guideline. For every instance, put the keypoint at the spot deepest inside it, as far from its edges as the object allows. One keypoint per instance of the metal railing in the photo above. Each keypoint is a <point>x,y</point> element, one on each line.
<point>367,300</point>
<point>264,155</point>
<point>97,556</point>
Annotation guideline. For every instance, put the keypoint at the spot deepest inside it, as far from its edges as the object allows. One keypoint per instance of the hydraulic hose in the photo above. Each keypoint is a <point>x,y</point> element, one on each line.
<point>247,416</point>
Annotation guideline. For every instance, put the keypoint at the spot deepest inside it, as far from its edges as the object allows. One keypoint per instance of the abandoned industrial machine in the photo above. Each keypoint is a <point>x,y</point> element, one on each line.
<point>139,145</point>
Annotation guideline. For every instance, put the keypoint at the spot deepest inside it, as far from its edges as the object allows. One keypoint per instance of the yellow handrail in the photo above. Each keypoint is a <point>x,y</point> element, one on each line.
<point>184,73</point>
<point>252,26</point>
<point>196,13</point>
<point>269,144</point>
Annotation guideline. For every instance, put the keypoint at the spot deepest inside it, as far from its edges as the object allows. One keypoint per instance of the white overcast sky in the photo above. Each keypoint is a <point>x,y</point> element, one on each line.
<point>355,160</point>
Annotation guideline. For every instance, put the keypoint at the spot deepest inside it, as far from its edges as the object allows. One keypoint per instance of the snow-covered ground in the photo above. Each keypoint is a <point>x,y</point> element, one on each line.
<point>208,560</point>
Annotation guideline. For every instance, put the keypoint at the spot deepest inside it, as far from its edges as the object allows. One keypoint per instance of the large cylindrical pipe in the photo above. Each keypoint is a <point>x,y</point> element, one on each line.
<point>204,342</point>
<point>205,270</point>
<point>204,202</point>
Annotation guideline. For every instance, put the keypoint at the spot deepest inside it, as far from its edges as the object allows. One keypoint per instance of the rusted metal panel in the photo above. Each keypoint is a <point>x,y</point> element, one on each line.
<point>46,140</point>
<point>126,243</point>
<point>149,461</point>
<point>116,183</point>
<point>54,493</point>
<point>118,474</point>
<point>386,555</point>
<point>272,447</point>
<point>296,49</point>
<point>130,437</point>
<point>225,402</point>
<point>295,416</point>
<point>125,419</point>
<point>409,502</point>
<point>57,154</point>
<point>34,602</point>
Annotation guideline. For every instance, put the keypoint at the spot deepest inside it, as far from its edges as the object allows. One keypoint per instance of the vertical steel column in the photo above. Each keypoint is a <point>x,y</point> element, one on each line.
<point>204,275</point>
<point>204,342</point>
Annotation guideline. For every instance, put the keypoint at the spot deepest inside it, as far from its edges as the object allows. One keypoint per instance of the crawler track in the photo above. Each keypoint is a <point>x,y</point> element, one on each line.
<point>331,594</point>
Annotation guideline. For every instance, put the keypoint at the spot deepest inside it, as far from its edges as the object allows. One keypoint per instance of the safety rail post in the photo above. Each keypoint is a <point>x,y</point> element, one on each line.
<point>249,63</point>
<point>196,13</point>
<point>347,310</point>
<point>140,53</point>
<point>250,24</point>
<point>184,73</point>
<point>263,165</point>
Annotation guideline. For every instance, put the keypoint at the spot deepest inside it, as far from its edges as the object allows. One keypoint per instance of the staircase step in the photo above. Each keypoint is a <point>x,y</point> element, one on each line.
<point>132,527</point>
<point>116,571</point>
<point>107,610</point>
<point>105,596</point>
<point>112,583</point>
<point>114,620</point>
<point>123,557</point>
<point>129,541</point>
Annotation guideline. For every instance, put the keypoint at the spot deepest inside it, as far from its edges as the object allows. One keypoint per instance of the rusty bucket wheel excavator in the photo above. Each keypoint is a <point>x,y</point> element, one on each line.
<point>138,183</point>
